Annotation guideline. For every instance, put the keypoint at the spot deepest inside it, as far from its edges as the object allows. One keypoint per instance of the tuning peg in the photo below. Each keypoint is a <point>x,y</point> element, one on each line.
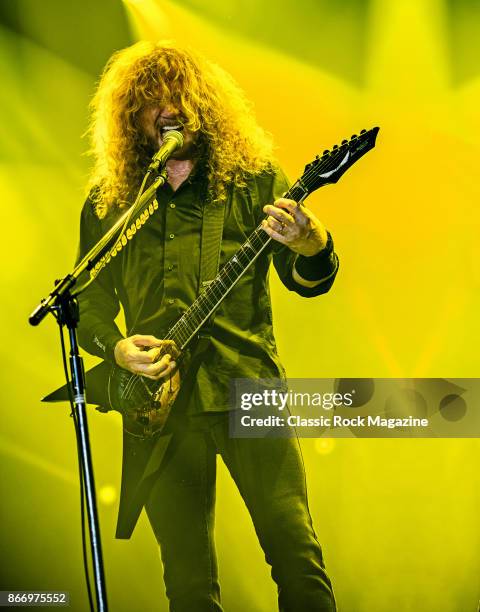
<point>363,131</point>
<point>326,152</point>
<point>335,146</point>
<point>353,136</point>
<point>344,142</point>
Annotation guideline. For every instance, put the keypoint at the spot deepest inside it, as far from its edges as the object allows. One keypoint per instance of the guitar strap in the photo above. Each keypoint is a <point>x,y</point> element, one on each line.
<point>210,247</point>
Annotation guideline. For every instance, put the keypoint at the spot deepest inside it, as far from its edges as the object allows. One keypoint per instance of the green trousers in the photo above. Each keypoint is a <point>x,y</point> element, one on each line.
<point>270,476</point>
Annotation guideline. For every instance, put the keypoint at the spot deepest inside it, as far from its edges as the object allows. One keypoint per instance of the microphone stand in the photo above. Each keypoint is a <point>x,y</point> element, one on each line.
<point>64,306</point>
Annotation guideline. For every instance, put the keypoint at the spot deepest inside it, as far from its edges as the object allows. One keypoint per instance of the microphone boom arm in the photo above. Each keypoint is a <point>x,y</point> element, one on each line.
<point>172,141</point>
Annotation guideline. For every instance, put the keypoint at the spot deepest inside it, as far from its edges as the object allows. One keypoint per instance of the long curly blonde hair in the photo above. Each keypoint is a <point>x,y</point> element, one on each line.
<point>207,97</point>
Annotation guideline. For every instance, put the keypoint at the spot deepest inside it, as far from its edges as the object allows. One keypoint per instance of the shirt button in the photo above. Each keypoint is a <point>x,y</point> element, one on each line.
<point>172,205</point>
<point>172,236</point>
<point>171,301</point>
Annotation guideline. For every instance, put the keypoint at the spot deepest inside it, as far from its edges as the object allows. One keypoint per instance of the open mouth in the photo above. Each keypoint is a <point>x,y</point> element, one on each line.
<point>167,124</point>
<point>168,128</point>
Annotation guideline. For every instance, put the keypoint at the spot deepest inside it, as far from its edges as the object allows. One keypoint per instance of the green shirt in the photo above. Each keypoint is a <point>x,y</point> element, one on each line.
<point>155,278</point>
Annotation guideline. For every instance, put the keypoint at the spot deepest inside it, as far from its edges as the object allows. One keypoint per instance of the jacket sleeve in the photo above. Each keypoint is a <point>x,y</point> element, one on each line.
<point>99,304</point>
<point>284,259</point>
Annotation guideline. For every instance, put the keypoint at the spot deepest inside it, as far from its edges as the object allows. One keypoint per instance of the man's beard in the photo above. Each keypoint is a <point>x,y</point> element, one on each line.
<point>190,150</point>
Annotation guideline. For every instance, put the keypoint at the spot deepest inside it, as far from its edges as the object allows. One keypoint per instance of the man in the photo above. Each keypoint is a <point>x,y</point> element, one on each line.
<point>226,160</point>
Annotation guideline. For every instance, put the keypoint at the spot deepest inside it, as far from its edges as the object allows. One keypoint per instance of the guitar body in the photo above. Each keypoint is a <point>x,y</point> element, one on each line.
<point>143,403</point>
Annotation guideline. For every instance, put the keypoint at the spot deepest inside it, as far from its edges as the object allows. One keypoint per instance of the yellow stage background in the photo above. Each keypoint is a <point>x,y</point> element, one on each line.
<point>398,519</point>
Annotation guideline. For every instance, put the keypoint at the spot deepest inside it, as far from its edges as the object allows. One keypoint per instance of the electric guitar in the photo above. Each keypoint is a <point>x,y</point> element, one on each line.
<point>145,404</point>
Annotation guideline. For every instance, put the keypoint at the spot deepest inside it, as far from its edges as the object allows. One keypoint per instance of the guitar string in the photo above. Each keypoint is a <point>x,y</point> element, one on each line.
<point>197,306</point>
<point>134,379</point>
<point>182,325</point>
<point>302,184</point>
<point>183,329</point>
<point>228,267</point>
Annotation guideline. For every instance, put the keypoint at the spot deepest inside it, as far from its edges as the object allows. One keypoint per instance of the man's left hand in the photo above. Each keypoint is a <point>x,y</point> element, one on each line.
<point>295,226</point>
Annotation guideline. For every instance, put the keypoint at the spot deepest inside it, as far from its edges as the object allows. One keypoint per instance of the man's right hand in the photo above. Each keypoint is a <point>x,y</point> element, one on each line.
<point>133,355</point>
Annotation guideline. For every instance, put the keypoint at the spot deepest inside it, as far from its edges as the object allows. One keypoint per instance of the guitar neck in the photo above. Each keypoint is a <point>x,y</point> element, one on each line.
<point>323,170</point>
<point>207,302</point>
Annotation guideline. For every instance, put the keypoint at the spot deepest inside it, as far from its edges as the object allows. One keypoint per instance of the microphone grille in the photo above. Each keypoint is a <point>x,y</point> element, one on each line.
<point>174,135</point>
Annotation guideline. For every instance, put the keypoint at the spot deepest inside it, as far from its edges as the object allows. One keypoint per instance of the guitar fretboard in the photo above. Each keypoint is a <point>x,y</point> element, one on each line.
<point>216,291</point>
<point>321,171</point>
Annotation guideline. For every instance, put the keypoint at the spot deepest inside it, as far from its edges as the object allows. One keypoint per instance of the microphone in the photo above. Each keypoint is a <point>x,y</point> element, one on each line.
<point>172,141</point>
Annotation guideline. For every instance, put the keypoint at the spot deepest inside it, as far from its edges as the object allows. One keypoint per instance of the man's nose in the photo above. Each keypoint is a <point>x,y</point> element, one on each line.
<point>169,111</point>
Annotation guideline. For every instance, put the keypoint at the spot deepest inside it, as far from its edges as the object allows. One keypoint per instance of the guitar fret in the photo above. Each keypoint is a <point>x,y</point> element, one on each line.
<point>296,192</point>
<point>242,256</point>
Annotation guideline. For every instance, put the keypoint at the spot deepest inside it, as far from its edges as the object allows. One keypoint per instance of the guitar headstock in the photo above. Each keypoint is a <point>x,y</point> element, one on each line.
<point>330,166</point>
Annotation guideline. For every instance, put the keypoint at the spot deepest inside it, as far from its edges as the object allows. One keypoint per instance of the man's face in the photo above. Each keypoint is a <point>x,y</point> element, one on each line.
<point>154,118</point>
